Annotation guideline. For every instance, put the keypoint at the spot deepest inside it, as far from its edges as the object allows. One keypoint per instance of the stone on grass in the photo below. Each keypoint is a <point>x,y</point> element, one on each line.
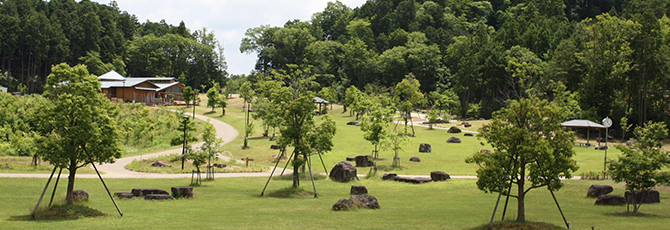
<point>364,201</point>
<point>413,179</point>
<point>630,142</point>
<point>466,124</point>
<point>364,161</point>
<point>650,197</point>
<point>425,148</point>
<point>601,147</point>
<point>79,195</point>
<point>389,176</point>
<point>275,146</point>
<point>160,164</point>
<point>454,140</point>
<point>439,176</point>
<point>6,166</point>
<point>343,205</point>
<point>469,134</point>
<point>147,191</point>
<point>354,123</point>
<point>343,172</point>
<point>486,151</point>
<point>358,190</point>
<point>158,197</point>
<point>454,129</point>
<point>351,158</point>
<point>415,159</point>
<point>610,199</point>
<point>219,165</point>
<point>597,190</point>
<point>182,192</point>
<point>125,195</point>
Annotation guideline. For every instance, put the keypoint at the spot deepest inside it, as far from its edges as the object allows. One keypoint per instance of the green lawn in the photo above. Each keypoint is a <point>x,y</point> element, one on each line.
<point>349,142</point>
<point>235,204</point>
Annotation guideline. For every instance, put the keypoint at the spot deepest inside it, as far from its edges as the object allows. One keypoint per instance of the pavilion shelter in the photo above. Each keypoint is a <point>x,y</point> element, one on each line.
<point>583,124</point>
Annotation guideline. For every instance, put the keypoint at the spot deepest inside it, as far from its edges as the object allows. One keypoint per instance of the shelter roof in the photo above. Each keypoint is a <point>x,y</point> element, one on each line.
<point>582,124</point>
<point>321,100</point>
<point>111,76</point>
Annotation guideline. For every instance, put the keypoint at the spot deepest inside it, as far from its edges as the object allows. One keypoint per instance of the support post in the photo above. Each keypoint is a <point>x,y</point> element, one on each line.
<point>273,172</point>
<point>108,193</point>
<point>324,165</point>
<point>311,176</point>
<point>289,160</point>
<point>55,186</point>
<point>43,192</point>
<point>502,186</point>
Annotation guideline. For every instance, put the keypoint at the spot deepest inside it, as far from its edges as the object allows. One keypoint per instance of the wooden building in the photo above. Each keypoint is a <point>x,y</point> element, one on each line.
<point>148,90</point>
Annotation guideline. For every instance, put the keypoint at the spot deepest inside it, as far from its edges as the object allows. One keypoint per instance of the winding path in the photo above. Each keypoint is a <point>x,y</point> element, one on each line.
<point>117,169</point>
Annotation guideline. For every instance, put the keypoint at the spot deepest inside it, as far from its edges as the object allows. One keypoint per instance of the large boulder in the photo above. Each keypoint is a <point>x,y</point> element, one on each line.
<point>147,191</point>
<point>466,124</point>
<point>182,192</point>
<point>358,190</point>
<point>454,129</point>
<point>415,159</point>
<point>343,205</point>
<point>469,134</point>
<point>597,190</point>
<point>124,195</point>
<point>413,179</point>
<point>158,197</point>
<point>159,164</point>
<point>610,199</point>
<point>650,197</point>
<point>425,148</point>
<point>439,176</point>
<point>389,176</point>
<point>79,195</point>
<point>364,201</point>
<point>454,140</point>
<point>364,161</point>
<point>343,172</point>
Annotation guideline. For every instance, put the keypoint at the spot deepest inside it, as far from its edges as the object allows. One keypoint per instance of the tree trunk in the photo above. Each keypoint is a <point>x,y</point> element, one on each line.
<point>521,210</point>
<point>296,167</point>
<point>70,182</point>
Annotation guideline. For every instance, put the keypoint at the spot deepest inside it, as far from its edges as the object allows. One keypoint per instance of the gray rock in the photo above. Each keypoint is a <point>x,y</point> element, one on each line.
<point>343,172</point>
<point>454,140</point>
<point>158,197</point>
<point>469,134</point>
<point>610,200</point>
<point>597,190</point>
<point>364,201</point>
<point>650,197</point>
<point>79,195</point>
<point>413,179</point>
<point>351,158</point>
<point>275,146</point>
<point>343,205</point>
<point>364,161</point>
<point>466,124</point>
<point>389,176</point>
<point>159,164</point>
<point>630,142</point>
<point>415,159</point>
<point>601,147</point>
<point>439,176</point>
<point>125,195</point>
<point>454,129</point>
<point>182,192</point>
<point>354,123</point>
<point>425,148</point>
<point>358,190</point>
<point>489,152</point>
<point>219,165</point>
<point>147,191</point>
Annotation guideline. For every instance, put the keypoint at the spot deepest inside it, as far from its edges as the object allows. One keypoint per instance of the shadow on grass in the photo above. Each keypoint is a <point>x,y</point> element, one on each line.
<point>290,192</point>
<point>61,213</point>
<point>303,177</point>
<point>513,225</point>
<point>637,214</point>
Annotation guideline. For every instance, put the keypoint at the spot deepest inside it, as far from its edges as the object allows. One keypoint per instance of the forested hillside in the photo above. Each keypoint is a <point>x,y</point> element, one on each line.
<point>36,34</point>
<point>598,57</point>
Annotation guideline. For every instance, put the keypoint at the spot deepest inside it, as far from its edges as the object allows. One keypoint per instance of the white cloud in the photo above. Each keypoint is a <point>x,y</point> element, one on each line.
<point>228,18</point>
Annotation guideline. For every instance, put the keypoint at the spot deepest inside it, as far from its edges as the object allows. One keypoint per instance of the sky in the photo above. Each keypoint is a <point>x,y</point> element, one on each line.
<point>229,19</point>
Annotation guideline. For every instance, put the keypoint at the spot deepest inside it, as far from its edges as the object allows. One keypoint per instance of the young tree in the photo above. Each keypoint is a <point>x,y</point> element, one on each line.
<point>213,96</point>
<point>529,146</point>
<point>78,124</point>
<point>247,93</point>
<point>210,147</point>
<point>223,103</point>
<point>395,142</point>
<point>188,95</point>
<point>198,158</point>
<point>320,138</point>
<point>640,165</point>
<point>350,97</point>
<point>407,94</point>
<point>376,124</point>
<point>329,94</point>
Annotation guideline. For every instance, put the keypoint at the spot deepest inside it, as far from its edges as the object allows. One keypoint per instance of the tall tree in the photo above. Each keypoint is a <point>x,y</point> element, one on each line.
<point>78,123</point>
<point>530,146</point>
<point>407,95</point>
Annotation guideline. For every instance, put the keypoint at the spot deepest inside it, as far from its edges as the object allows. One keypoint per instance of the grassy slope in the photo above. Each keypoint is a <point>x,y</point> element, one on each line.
<point>235,204</point>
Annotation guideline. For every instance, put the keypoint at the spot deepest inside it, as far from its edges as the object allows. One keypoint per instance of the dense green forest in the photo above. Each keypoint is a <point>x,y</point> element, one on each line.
<point>598,57</point>
<point>36,34</point>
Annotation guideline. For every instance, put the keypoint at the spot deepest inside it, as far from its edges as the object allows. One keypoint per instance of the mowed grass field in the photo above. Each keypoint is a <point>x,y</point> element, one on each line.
<point>349,142</point>
<point>236,204</point>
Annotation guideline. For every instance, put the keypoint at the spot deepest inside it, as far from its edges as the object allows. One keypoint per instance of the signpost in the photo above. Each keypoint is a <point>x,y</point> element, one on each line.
<point>607,122</point>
